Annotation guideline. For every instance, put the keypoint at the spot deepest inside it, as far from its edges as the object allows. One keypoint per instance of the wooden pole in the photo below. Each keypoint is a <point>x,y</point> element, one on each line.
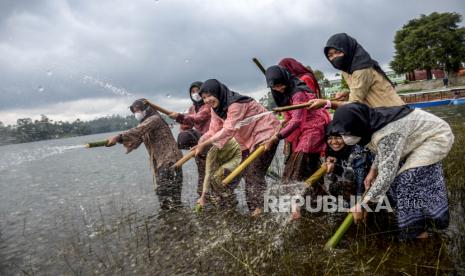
<point>291,107</point>
<point>259,151</point>
<point>259,65</point>
<point>184,159</point>
<point>159,108</point>
<point>96,144</point>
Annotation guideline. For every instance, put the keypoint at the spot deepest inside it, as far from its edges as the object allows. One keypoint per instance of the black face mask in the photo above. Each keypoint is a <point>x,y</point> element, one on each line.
<point>339,63</point>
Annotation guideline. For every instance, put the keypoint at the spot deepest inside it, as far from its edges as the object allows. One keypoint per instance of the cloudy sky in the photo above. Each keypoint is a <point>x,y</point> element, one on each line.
<point>86,58</point>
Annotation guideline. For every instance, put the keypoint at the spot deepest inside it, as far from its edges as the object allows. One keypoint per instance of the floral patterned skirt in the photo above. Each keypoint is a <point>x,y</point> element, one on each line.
<point>419,199</point>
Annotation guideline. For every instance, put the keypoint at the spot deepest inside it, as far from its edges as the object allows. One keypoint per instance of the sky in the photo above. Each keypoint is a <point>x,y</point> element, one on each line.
<point>86,59</point>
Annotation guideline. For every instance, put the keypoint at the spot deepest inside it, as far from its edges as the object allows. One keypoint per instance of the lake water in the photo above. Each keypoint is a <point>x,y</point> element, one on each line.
<point>67,210</point>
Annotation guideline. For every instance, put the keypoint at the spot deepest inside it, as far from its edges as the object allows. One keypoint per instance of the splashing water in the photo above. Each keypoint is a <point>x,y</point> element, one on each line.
<point>186,60</point>
<point>17,158</point>
<point>106,85</point>
<point>49,73</point>
<point>40,89</point>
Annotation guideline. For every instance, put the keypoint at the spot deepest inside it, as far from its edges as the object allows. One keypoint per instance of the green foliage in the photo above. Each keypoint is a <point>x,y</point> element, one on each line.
<point>267,101</point>
<point>344,85</point>
<point>430,42</point>
<point>319,75</point>
<point>27,130</point>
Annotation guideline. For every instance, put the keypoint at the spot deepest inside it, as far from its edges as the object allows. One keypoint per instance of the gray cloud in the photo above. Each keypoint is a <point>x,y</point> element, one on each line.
<point>157,48</point>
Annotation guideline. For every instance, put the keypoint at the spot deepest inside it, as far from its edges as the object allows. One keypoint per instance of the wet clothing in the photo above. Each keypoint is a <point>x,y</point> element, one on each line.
<point>219,164</point>
<point>223,127</point>
<point>163,151</point>
<point>300,166</point>
<point>368,83</point>
<point>352,166</point>
<point>419,199</point>
<point>188,138</point>
<point>418,139</point>
<point>305,74</point>
<point>255,182</point>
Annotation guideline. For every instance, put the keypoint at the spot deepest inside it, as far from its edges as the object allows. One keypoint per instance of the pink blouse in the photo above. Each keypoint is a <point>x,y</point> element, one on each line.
<point>200,119</point>
<point>248,136</point>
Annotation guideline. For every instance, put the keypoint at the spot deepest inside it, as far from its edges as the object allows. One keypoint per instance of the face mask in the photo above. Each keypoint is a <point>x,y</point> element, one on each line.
<point>339,63</point>
<point>139,115</point>
<point>196,97</point>
<point>350,139</point>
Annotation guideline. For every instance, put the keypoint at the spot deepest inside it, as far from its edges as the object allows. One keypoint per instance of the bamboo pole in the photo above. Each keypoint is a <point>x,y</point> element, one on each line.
<point>316,175</point>
<point>336,238</point>
<point>259,65</point>
<point>96,144</point>
<point>184,159</point>
<point>291,107</point>
<point>259,151</point>
<point>159,108</point>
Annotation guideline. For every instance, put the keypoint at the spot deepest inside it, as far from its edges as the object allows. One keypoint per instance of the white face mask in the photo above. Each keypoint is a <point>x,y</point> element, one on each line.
<point>350,139</point>
<point>139,115</point>
<point>196,97</point>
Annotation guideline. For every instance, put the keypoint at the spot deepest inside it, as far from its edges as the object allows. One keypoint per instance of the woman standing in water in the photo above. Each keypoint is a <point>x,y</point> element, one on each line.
<point>304,129</point>
<point>193,125</point>
<point>155,133</point>
<point>229,108</point>
<point>409,147</point>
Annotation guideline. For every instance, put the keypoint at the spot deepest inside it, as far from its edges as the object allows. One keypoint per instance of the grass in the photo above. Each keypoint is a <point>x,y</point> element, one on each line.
<point>126,242</point>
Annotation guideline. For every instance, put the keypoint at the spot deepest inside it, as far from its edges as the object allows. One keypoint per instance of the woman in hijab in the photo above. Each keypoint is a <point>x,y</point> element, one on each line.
<point>304,129</point>
<point>367,82</point>
<point>409,146</point>
<point>304,73</point>
<point>193,125</point>
<point>155,133</point>
<point>229,108</point>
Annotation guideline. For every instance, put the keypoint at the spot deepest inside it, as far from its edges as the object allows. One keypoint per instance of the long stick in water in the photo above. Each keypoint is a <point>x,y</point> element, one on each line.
<point>259,151</point>
<point>336,238</point>
<point>96,144</point>
<point>184,159</point>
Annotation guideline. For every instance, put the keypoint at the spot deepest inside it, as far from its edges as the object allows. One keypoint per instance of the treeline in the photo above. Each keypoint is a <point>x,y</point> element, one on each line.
<point>27,130</point>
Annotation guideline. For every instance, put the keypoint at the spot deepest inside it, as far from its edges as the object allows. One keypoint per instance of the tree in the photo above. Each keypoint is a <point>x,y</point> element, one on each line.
<point>430,42</point>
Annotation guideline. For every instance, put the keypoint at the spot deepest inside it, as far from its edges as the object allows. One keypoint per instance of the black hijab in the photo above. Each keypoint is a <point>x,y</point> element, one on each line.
<point>279,75</point>
<point>139,104</point>
<point>360,120</point>
<point>225,96</point>
<point>355,57</point>
<point>197,105</point>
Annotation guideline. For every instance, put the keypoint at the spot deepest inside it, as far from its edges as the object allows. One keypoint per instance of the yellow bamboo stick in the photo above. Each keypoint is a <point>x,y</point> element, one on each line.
<point>259,151</point>
<point>184,159</point>
<point>316,175</point>
<point>96,144</point>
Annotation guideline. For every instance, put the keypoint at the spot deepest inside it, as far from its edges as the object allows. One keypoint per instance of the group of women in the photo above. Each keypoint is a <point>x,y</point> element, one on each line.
<point>374,144</point>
